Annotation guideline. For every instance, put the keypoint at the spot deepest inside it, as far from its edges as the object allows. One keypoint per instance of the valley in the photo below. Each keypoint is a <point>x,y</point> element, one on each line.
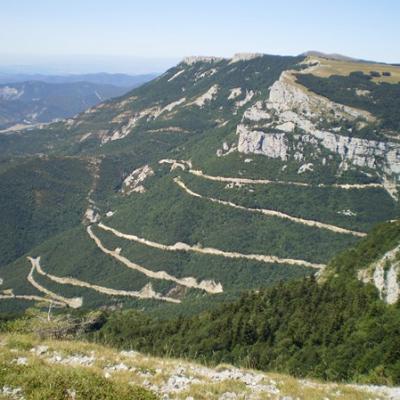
<point>235,210</point>
<point>289,206</point>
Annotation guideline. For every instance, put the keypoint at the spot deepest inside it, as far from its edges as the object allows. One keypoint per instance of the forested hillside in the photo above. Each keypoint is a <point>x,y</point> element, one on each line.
<point>334,327</point>
<point>219,176</point>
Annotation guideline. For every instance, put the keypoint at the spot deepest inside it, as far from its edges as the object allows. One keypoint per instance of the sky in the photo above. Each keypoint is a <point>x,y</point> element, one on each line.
<point>149,36</point>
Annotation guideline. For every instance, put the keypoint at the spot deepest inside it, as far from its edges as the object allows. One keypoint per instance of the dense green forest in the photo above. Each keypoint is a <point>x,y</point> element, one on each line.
<point>335,330</point>
<point>332,327</point>
<point>39,197</point>
<point>324,204</point>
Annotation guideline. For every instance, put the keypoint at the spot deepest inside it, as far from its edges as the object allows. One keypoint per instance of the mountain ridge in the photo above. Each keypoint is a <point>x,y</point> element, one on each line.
<point>241,211</point>
<point>287,170</point>
<point>33,102</point>
<point>123,80</point>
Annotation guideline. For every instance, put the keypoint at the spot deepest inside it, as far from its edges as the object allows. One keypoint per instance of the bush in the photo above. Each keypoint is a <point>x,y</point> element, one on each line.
<point>375,74</point>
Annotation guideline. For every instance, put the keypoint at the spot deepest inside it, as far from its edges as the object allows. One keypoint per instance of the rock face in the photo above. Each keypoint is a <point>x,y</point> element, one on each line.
<point>211,59</point>
<point>287,95</point>
<point>256,113</point>
<point>10,93</point>
<point>245,57</point>
<point>133,182</point>
<point>129,119</point>
<point>176,75</point>
<point>249,95</point>
<point>298,113</point>
<point>122,132</point>
<point>206,97</point>
<point>91,215</point>
<point>273,145</point>
<point>384,275</point>
<point>234,92</point>
<point>195,59</point>
<point>169,107</point>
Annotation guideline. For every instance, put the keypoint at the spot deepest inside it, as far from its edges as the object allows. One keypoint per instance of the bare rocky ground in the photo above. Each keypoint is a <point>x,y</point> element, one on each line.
<point>172,378</point>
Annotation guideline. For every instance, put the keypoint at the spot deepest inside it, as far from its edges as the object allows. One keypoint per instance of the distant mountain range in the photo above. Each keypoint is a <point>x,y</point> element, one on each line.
<point>123,80</point>
<point>26,100</point>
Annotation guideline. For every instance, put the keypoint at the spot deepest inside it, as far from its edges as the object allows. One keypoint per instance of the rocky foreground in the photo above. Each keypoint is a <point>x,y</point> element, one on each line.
<point>32,369</point>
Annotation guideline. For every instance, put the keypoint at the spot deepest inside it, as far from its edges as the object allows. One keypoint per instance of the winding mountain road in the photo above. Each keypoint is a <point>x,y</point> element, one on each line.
<point>190,282</point>
<point>271,213</point>
<point>210,251</point>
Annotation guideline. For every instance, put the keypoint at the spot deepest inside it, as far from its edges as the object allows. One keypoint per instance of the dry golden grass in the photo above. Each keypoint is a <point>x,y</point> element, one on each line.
<point>337,67</point>
<point>315,390</point>
<point>154,372</point>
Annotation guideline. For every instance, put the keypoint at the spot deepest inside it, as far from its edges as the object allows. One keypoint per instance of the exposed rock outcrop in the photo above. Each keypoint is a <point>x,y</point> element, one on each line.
<point>129,120</point>
<point>244,57</point>
<point>385,275</point>
<point>206,97</point>
<point>249,95</point>
<point>133,182</point>
<point>206,59</point>
<point>297,112</point>
<point>122,132</point>
<point>234,92</point>
<point>10,93</point>
<point>273,145</point>
<point>176,75</point>
<point>256,113</point>
<point>206,74</point>
<point>170,378</point>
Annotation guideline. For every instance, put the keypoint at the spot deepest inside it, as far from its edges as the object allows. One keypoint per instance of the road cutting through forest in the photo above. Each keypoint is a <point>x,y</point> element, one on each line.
<point>210,251</point>
<point>248,181</point>
<point>146,292</point>
<point>31,298</point>
<point>190,282</point>
<point>271,213</point>
<point>35,263</point>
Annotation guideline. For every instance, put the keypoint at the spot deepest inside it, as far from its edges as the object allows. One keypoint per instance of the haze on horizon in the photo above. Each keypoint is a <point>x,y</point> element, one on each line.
<point>141,37</point>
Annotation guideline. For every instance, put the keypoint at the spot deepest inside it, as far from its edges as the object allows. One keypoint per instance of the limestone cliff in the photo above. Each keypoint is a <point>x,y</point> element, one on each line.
<point>290,119</point>
<point>384,274</point>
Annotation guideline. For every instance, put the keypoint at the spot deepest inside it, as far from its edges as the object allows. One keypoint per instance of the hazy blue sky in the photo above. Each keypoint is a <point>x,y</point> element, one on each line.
<point>150,35</point>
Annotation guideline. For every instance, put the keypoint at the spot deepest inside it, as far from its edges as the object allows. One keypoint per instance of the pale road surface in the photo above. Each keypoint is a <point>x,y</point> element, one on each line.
<point>208,286</point>
<point>272,213</point>
<point>210,251</point>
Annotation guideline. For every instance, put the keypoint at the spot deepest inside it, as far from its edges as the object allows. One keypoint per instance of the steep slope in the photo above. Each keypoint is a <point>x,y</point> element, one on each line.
<point>54,369</point>
<point>335,329</point>
<point>39,198</point>
<point>218,176</point>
